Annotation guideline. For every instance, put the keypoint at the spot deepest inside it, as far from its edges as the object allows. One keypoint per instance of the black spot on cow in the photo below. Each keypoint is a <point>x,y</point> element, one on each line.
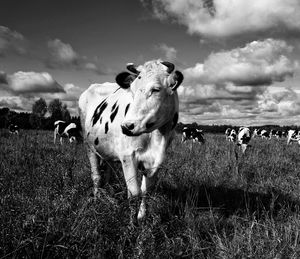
<point>61,127</point>
<point>114,106</point>
<point>100,120</point>
<point>88,134</point>
<point>114,113</point>
<point>175,120</point>
<point>126,109</point>
<point>106,127</point>
<point>96,141</point>
<point>99,110</point>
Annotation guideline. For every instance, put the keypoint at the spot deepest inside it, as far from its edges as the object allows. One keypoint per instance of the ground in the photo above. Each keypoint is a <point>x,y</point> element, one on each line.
<point>209,202</point>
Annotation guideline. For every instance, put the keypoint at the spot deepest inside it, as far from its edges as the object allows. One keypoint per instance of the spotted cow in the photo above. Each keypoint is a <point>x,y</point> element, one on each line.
<point>243,138</point>
<point>66,130</point>
<point>13,129</point>
<point>293,136</point>
<point>192,134</point>
<point>133,125</point>
<point>232,136</point>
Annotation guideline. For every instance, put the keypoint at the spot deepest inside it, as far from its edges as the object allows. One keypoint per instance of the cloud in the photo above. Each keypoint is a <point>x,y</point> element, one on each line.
<point>285,103</point>
<point>11,41</point>
<point>169,53</point>
<point>29,82</point>
<point>219,18</point>
<point>232,84</point>
<point>62,55</point>
<point>18,103</point>
<point>258,63</point>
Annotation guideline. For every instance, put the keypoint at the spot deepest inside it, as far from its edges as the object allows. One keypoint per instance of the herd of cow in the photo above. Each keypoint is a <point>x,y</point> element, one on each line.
<point>136,124</point>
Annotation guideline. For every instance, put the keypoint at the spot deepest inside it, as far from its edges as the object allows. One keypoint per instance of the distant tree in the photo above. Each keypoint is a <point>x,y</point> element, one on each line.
<point>39,110</point>
<point>55,108</point>
<point>65,113</point>
<point>4,112</point>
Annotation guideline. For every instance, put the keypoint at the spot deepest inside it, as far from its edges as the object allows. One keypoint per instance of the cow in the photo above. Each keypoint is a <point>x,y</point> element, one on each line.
<point>13,129</point>
<point>293,136</point>
<point>133,125</point>
<point>192,133</point>
<point>227,133</point>
<point>279,134</point>
<point>187,133</point>
<point>232,136</point>
<point>66,130</point>
<point>243,138</point>
<point>198,136</point>
<point>257,133</point>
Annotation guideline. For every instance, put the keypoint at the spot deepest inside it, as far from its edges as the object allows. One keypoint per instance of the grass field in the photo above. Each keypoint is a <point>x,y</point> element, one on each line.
<point>208,203</point>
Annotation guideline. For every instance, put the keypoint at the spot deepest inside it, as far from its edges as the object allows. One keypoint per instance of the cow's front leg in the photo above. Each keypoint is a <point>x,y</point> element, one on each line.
<point>129,165</point>
<point>95,168</point>
<point>147,182</point>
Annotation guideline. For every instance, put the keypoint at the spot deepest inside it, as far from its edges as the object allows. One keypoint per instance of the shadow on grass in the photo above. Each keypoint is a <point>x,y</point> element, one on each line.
<point>229,201</point>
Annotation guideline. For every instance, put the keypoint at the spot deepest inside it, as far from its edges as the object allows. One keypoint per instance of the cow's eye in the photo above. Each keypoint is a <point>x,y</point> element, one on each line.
<point>155,90</point>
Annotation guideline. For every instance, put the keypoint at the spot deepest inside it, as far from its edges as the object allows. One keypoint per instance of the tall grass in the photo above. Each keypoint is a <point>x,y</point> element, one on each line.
<point>210,201</point>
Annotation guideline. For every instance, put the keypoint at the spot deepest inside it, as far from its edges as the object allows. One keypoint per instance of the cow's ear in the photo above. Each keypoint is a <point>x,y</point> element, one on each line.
<point>124,79</point>
<point>178,78</point>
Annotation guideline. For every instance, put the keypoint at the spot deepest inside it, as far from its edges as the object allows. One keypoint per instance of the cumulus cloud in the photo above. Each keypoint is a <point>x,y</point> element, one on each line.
<point>169,53</point>
<point>11,41</point>
<point>29,82</point>
<point>62,55</point>
<point>18,103</point>
<point>258,63</point>
<point>233,84</point>
<point>219,18</point>
<point>286,102</point>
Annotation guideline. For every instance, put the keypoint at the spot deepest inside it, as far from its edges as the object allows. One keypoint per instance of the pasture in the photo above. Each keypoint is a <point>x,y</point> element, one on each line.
<point>209,202</point>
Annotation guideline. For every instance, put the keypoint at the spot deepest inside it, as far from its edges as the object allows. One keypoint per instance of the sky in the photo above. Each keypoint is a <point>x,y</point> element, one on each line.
<point>240,58</point>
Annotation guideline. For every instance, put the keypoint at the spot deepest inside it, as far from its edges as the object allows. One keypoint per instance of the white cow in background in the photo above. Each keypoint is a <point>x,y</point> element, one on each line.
<point>134,125</point>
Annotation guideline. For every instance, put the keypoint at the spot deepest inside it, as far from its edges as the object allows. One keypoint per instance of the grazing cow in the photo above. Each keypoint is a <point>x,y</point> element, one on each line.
<point>13,129</point>
<point>198,136</point>
<point>265,134</point>
<point>278,134</point>
<point>257,133</point>
<point>187,133</point>
<point>191,133</point>
<point>133,125</point>
<point>66,130</point>
<point>244,137</point>
<point>232,136</point>
<point>293,136</point>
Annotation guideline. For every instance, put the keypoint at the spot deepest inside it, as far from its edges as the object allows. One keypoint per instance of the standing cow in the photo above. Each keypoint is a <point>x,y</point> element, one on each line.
<point>134,125</point>
<point>66,130</point>
<point>243,138</point>
<point>293,136</point>
<point>13,129</point>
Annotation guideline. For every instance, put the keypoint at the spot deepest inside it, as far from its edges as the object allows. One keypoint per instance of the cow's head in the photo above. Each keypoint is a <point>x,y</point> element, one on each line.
<point>154,97</point>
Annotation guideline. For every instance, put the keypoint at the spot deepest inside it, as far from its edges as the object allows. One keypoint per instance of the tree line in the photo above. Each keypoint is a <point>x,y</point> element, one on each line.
<point>42,116</point>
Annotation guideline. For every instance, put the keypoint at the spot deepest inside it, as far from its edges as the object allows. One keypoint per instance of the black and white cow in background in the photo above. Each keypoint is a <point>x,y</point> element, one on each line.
<point>192,133</point>
<point>133,125</point>
<point>227,133</point>
<point>63,129</point>
<point>13,129</point>
<point>232,136</point>
<point>293,136</point>
<point>243,138</point>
